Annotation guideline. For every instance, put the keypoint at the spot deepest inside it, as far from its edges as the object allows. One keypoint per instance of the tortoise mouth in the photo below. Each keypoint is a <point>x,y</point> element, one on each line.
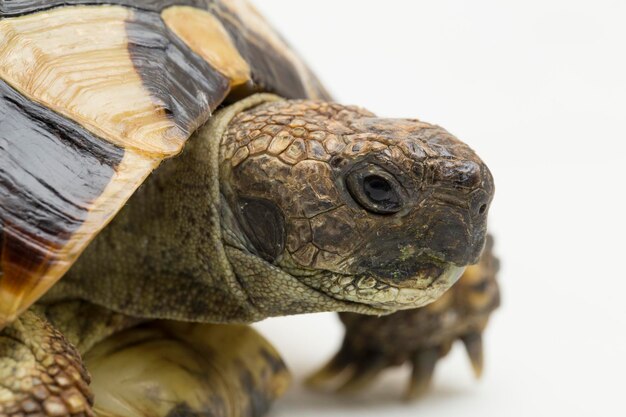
<point>422,288</point>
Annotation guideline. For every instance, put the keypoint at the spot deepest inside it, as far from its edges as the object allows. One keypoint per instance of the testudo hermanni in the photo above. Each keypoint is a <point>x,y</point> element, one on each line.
<point>269,199</point>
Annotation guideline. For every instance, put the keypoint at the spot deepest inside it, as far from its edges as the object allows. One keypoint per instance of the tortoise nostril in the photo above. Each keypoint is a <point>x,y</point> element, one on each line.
<point>482,209</point>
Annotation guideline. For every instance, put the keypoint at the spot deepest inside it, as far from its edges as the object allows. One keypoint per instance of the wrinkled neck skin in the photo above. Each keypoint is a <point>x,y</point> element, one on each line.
<point>175,251</point>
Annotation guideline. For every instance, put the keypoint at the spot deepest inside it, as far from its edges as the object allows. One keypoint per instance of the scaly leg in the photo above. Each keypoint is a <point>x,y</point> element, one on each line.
<point>420,337</point>
<point>41,372</point>
<point>152,369</point>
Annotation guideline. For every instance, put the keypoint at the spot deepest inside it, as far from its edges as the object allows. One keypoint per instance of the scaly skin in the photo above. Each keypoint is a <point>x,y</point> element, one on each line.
<point>41,372</point>
<point>293,162</point>
<point>41,369</point>
<point>155,368</point>
<point>275,207</point>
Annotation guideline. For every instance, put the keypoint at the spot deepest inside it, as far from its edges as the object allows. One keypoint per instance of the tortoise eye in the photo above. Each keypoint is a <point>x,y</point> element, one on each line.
<point>379,191</point>
<point>375,192</point>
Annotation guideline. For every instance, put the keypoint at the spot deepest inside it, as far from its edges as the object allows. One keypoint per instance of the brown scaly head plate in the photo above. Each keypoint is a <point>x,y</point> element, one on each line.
<point>94,96</point>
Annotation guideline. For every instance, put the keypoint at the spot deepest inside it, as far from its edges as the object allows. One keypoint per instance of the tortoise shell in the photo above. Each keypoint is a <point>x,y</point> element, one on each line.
<point>94,95</point>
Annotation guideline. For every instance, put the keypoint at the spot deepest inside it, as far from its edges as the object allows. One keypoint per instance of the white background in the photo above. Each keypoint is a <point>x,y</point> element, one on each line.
<point>538,89</point>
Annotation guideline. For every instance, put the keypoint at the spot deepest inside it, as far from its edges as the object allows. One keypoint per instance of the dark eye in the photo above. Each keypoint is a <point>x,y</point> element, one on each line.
<point>379,191</point>
<point>374,192</point>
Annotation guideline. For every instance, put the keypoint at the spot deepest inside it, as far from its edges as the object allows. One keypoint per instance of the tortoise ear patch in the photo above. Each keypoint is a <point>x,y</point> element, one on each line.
<point>264,224</point>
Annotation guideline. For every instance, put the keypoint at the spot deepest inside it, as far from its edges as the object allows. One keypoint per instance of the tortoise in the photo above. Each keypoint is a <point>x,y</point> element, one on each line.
<point>171,171</point>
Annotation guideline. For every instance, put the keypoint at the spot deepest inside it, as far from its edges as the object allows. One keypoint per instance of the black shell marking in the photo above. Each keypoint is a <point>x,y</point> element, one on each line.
<point>188,86</point>
<point>50,170</point>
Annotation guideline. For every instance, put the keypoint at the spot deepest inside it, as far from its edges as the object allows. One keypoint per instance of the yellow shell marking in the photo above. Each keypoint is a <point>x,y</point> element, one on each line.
<point>75,61</point>
<point>206,36</point>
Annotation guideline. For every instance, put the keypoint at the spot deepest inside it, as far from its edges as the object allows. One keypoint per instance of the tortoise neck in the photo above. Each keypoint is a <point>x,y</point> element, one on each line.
<point>163,255</point>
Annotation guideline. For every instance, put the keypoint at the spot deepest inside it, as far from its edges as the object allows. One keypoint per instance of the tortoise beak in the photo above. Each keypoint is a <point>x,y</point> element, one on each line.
<point>457,225</point>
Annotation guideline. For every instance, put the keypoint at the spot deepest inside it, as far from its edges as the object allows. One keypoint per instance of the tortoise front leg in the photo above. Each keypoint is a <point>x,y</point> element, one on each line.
<point>420,337</point>
<point>153,369</point>
<point>41,372</point>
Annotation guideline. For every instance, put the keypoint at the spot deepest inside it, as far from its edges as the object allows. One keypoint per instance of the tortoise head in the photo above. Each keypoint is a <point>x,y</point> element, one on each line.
<point>379,212</point>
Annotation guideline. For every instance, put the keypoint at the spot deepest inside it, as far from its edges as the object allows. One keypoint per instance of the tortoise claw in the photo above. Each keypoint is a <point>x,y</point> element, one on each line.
<point>359,373</point>
<point>424,362</point>
<point>474,346</point>
<point>362,375</point>
<point>335,367</point>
